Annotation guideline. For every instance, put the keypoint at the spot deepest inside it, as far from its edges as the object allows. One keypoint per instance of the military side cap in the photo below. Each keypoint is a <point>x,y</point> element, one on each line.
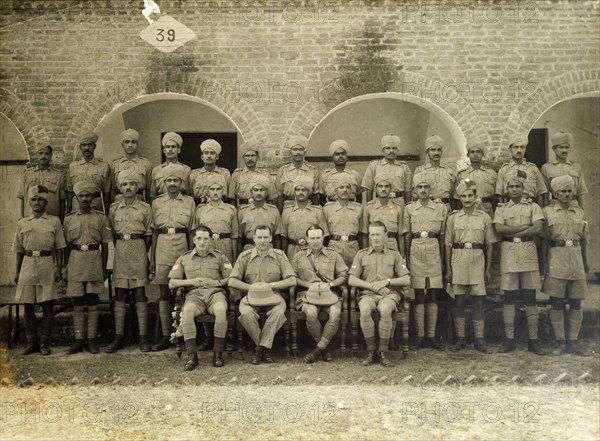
<point>37,191</point>
<point>390,141</point>
<point>261,181</point>
<point>518,139</point>
<point>433,141</point>
<point>172,136</point>
<point>559,138</point>
<point>211,144</point>
<point>465,184</point>
<point>88,138</point>
<point>383,177</point>
<point>562,182</point>
<point>173,170</point>
<point>216,178</point>
<point>85,186</point>
<point>130,134</point>
<point>298,140</point>
<point>338,144</point>
<point>261,296</point>
<point>249,146</point>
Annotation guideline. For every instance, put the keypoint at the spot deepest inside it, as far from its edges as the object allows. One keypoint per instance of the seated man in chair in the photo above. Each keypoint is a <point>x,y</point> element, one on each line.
<point>314,265</point>
<point>203,272</point>
<point>264,271</point>
<point>375,270</point>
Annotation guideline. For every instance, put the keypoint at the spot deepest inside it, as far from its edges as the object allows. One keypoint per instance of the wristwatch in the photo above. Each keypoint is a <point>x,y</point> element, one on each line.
<point>389,281</point>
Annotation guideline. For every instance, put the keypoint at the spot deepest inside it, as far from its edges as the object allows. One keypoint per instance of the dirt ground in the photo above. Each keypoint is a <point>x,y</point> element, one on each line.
<point>130,395</point>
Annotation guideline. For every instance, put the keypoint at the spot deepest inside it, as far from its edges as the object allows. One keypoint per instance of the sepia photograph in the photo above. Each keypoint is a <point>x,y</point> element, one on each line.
<point>299,220</point>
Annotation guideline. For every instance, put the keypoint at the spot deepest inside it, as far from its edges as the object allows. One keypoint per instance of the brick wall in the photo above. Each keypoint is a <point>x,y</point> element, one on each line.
<point>277,68</point>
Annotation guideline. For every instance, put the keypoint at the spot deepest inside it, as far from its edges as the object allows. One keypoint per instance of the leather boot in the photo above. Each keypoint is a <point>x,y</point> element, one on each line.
<point>459,345</point>
<point>312,356</point>
<point>507,346</point>
<point>93,346</point>
<point>266,355</point>
<point>164,343</point>
<point>32,346</point>
<point>217,360</point>
<point>327,356</point>
<point>76,348</point>
<point>115,345</point>
<point>558,348</point>
<point>192,362</point>
<point>434,344</point>
<point>370,359</point>
<point>46,331</point>
<point>418,344</point>
<point>481,346</point>
<point>32,341</point>
<point>257,356</point>
<point>384,360</point>
<point>144,344</point>
<point>534,346</point>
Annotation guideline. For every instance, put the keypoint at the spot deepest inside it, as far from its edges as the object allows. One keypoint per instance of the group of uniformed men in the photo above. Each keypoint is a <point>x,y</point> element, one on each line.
<point>193,224</point>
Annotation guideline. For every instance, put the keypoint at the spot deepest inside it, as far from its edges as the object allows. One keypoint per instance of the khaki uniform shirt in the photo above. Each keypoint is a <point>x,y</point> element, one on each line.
<point>485,180</point>
<point>468,265</point>
<point>518,257</point>
<point>86,229</point>
<point>329,179</point>
<point>425,258</point>
<point>371,266</point>
<point>251,216</point>
<point>440,179</point>
<point>198,178</point>
<point>534,183</point>
<point>242,180</point>
<point>554,169</point>
<point>570,224</point>
<point>220,219</point>
<point>288,175</point>
<point>158,187</point>
<point>295,221</point>
<point>272,267</point>
<point>51,178</point>
<point>329,263</point>
<point>390,214</point>
<point>137,163</point>
<point>344,221</point>
<point>399,170</point>
<point>191,265</point>
<point>97,171</point>
<point>172,213</point>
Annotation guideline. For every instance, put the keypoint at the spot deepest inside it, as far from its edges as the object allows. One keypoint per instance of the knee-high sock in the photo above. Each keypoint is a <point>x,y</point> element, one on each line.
<point>508,315</point>
<point>432,313</point>
<point>420,319</point>
<point>142,315</point>
<point>190,346</point>
<point>164,311</point>
<point>459,325</point>
<point>119,318</point>
<point>532,321</point>
<point>557,320</point>
<point>79,322</point>
<point>575,319</point>
<point>30,324</point>
<point>478,327</point>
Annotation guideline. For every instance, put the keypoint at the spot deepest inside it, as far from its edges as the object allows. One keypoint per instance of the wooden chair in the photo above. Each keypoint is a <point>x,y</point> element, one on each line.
<point>296,315</point>
<point>206,318</point>
<point>401,315</point>
<point>234,301</point>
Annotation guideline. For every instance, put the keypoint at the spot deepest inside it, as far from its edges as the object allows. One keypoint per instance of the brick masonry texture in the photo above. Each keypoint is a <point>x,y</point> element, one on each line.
<point>277,68</point>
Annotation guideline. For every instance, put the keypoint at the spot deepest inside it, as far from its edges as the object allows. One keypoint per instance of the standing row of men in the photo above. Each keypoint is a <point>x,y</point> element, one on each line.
<point>166,229</point>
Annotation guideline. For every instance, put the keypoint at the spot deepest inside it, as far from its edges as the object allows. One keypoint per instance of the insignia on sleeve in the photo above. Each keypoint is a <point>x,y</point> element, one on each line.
<point>227,266</point>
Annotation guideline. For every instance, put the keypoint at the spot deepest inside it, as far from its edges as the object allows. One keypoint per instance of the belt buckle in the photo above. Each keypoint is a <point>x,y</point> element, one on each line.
<point>170,230</point>
<point>568,243</point>
<point>302,241</point>
<point>516,239</point>
<point>84,247</point>
<point>468,245</point>
<point>392,194</point>
<point>424,234</point>
<point>36,253</point>
<point>344,238</point>
<point>126,236</point>
<point>437,200</point>
<point>215,236</point>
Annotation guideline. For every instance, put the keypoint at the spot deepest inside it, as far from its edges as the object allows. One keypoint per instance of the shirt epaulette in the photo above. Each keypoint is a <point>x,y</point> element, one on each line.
<point>329,203</point>
<point>453,212</point>
<point>114,203</point>
<point>278,251</point>
<point>97,211</point>
<point>270,205</point>
<point>245,253</point>
<point>500,204</point>
<point>318,207</point>
<point>355,203</point>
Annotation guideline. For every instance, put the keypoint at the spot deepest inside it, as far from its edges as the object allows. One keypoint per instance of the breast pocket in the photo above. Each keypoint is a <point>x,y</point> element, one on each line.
<point>73,232</point>
<point>182,216</point>
<point>51,186</point>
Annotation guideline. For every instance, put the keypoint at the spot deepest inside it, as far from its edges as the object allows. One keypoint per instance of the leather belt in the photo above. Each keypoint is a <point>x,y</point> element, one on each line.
<point>343,238</point>
<point>129,236</point>
<point>289,198</point>
<point>392,234</point>
<point>85,247</point>
<point>487,199</point>
<point>424,234</point>
<point>249,242</point>
<point>217,236</point>
<point>467,246</point>
<point>38,253</point>
<point>518,239</point>
<point>172,230</point>
<point>297,242</point>
<point>565,243</point>
<point>444,200</point>
<point>243,201</point>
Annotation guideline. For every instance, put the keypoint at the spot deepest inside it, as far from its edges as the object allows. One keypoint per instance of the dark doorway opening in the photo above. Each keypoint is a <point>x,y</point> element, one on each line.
<point>537,151</point>
<point>190,151</point>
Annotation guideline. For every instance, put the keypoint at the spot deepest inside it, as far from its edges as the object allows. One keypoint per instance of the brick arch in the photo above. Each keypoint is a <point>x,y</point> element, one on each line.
<point>240,112</point>
<point>409,87</point>
<point>25,118</point>
<point>549,93</point>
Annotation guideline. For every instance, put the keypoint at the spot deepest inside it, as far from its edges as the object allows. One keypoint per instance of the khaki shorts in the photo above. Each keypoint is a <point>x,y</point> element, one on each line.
<point>524,280</point>
<point>161,275</point>
<point>473,290</point>
<point>435,282</point>
<point>79,289</point>
<point>565,289</point>
<point>36,293</point>
<point>129,283</point>
<point>202,302</point>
